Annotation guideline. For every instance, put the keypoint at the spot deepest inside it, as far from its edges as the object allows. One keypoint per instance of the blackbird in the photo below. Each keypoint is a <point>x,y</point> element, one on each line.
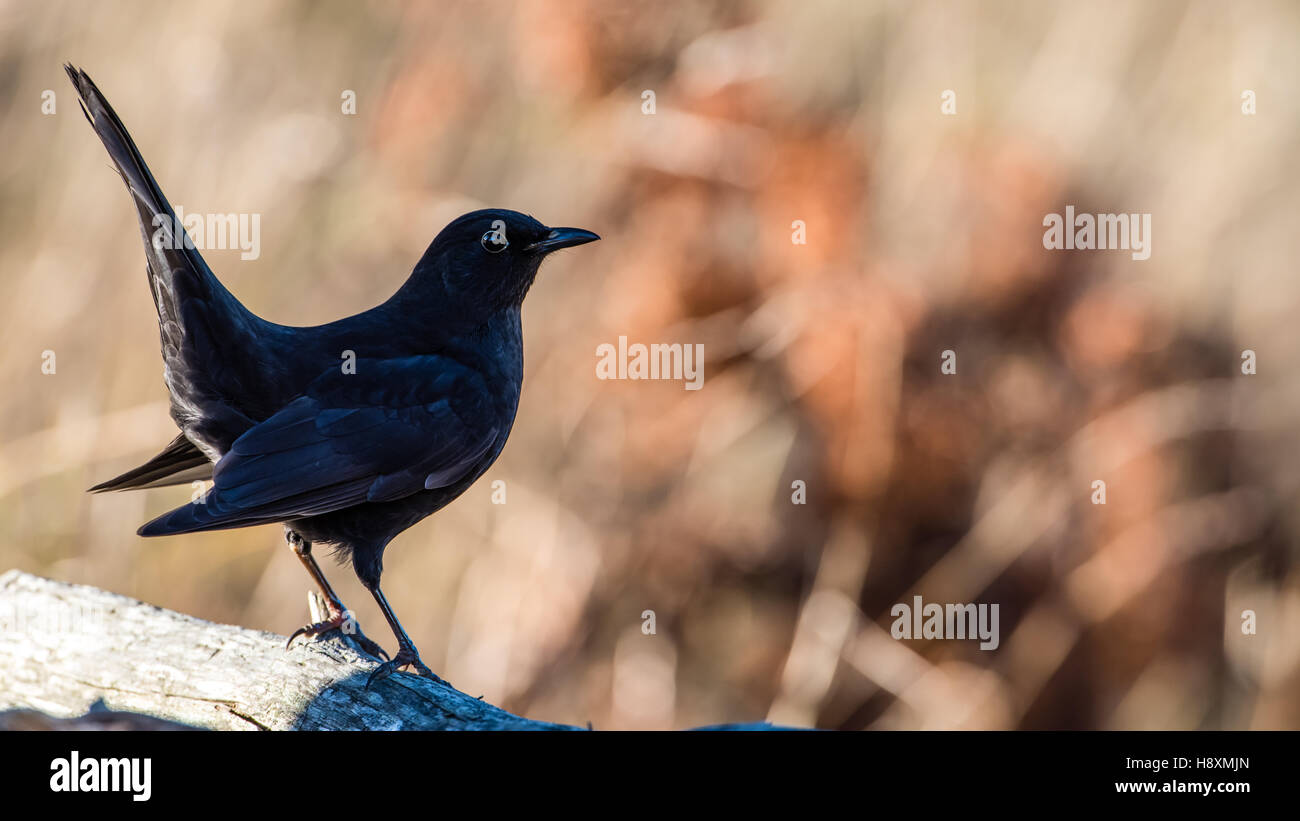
<point>347,433</point>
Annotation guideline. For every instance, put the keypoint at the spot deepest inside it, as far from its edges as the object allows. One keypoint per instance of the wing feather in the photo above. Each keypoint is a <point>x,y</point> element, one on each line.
<point>347,441</point>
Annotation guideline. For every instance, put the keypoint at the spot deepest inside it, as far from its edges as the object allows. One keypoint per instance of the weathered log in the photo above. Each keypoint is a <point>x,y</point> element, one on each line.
<point>65,648</point>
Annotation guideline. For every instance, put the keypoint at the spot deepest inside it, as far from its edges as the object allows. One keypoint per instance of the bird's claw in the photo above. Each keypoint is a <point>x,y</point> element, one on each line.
<point>405,657</point>
<point>337,623</point>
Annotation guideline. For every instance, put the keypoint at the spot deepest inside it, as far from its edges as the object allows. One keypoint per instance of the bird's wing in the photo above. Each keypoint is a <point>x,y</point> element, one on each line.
<point>390,430</point>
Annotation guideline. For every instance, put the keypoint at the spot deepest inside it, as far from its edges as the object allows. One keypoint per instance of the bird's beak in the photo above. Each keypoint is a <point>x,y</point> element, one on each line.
<point>562,238</point>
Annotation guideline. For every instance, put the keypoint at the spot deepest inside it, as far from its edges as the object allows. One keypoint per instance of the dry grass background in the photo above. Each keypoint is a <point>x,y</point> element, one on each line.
<point>924,234</point>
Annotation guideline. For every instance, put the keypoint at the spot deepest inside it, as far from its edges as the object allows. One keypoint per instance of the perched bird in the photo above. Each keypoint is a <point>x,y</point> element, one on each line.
<point>347,433</point>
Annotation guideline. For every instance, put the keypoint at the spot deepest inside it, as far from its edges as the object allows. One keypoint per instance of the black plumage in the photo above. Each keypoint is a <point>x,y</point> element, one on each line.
<point>348,432</point>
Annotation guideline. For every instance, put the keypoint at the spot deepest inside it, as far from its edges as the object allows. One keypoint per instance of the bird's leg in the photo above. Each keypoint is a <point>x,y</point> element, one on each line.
<point>406,652</point>
<point>338,617</point>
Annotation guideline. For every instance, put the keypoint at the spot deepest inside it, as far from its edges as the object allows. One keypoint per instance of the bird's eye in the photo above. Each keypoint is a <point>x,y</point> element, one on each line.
<point>494,241</point>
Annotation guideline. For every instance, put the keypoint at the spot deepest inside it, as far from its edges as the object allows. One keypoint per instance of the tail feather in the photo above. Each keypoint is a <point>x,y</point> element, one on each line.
<point>175,253</point>
<point>176,464</point>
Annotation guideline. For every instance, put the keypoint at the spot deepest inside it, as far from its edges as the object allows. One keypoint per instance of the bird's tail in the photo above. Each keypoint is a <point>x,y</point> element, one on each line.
<point>178,463</point>
<point>175,265</point>
<point>202,326</point>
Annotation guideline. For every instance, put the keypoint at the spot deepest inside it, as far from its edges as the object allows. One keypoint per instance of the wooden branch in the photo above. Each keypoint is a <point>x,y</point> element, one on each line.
<point>66,648</point>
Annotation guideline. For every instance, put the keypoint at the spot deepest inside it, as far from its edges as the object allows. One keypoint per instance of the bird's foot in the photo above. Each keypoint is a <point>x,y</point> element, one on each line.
<point>406,656</point>
<point>342,621</point>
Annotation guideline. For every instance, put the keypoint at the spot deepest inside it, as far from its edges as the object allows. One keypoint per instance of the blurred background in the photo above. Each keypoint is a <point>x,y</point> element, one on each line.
<point>822,360</point>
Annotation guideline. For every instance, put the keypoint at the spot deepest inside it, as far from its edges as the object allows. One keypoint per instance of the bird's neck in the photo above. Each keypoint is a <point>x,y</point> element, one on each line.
<point>423,325</point>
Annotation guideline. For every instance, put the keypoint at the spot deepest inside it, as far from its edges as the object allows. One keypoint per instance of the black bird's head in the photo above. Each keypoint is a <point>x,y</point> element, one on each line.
<point>486,260</point>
